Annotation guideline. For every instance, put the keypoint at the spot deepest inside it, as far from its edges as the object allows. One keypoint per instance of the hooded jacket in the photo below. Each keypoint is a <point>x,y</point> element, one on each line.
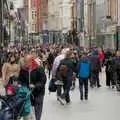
<point>36,77</point>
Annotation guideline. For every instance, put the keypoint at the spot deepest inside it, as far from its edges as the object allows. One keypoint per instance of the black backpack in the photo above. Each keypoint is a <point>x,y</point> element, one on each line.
<point>110,65</point>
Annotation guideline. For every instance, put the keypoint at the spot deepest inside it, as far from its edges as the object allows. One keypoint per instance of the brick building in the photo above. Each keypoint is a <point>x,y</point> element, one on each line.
<point>36,12</point>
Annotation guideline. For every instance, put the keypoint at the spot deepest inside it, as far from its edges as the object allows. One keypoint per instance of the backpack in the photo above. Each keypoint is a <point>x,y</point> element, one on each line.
<point>63,70</point>
<point>110,65</point>
<point>84,69</point>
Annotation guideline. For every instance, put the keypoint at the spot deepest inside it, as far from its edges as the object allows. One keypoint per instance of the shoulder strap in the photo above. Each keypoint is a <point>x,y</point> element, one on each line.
<point>29,76</point>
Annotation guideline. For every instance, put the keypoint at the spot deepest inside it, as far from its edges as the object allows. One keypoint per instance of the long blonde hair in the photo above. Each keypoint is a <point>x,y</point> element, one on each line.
<point>118,53</point>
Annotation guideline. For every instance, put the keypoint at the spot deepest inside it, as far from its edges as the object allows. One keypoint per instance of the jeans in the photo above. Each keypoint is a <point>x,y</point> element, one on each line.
<point>83,86</point>
<point>59,90</point>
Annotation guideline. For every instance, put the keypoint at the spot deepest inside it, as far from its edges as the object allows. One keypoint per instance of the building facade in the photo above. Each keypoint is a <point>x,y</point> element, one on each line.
<point>106,22</point>
<point>54,20</point>
<point>92,22</point>
<point>118,25</point>
<point>36,12</point>
<point>61,18</point>
<point>36,15</point>
<point>8,20</point>
<point>101,22</point>
<point>86,36</point>
<point>82,22</point>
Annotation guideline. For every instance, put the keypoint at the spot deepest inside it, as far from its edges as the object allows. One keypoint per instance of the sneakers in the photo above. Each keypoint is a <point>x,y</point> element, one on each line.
<point>81,98</point>
<point>72,88</point>
<point>86,98</point>
<point>99,86</point>
<point>62,101</point>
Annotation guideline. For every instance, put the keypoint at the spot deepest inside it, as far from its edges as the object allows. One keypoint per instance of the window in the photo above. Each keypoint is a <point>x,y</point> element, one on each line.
<point>33,28</point>
<point>34,14</point>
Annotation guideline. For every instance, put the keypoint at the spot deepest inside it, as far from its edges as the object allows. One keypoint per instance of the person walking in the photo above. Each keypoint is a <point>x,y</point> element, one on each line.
<point>110,71</point>
<point>10,70</point>
<point>75,61</point>
<point>65,74</point>
<point>101,56</point>
<point>95,70</point>
<point>117,70</point>
<point>84,74</point>
<point>50,61</point>
<point>33,76</point>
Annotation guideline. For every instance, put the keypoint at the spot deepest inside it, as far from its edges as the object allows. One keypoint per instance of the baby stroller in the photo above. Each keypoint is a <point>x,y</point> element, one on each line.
<point>15,107</point>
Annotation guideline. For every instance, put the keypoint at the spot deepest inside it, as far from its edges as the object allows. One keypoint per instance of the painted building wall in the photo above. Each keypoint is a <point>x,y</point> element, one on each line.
<point>118,12</point>
<point>66,16</point>
<point>54,15</point>
<point>36,14</point>
<point>118,16</point>
<point>43,14</point>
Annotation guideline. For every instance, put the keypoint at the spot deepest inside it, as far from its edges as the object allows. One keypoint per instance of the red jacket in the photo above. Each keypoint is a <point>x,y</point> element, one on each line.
<point>101,56</point>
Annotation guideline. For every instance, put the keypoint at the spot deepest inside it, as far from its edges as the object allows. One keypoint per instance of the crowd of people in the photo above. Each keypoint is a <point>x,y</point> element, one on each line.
<point>24,66</point>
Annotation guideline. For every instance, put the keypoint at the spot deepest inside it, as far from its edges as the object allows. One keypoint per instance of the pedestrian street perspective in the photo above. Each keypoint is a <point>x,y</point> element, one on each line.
<point>59,59</point>
<point>103,104</point>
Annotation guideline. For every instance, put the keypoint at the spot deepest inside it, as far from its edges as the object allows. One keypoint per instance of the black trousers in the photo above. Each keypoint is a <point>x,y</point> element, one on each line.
<point>38,106</point>
<point>65,94</point>
<point>109,79</point>
<point>94,80</point>
<point>49,69</point>
<point>83,86</point>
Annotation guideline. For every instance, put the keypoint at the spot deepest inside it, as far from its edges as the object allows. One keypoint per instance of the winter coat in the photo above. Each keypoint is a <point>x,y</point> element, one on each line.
<point>110,65</point>
<point>50,60</point>
<point>95,63</point>
<point>57,63</point>
<point>101,56</point>
<point>37,78</point>
<point>69,74</point>
<point>117,65</point>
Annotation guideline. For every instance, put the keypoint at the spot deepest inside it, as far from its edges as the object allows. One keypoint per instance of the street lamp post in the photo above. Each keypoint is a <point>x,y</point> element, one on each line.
<point>90,23</point>
<point>1,22</point>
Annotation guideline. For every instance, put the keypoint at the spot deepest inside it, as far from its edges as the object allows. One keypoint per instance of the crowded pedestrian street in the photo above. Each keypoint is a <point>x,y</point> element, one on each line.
<point>103,104</point>
<point>59,59</point>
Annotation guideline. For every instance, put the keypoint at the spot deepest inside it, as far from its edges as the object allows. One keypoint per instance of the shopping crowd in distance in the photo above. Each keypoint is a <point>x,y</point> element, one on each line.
<point>24,78</point>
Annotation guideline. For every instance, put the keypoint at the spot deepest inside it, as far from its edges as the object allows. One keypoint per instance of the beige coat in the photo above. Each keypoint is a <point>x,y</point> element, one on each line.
<point>9,70</point>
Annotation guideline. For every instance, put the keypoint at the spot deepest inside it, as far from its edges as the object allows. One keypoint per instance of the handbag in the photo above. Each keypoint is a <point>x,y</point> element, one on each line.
<point>52,87</point>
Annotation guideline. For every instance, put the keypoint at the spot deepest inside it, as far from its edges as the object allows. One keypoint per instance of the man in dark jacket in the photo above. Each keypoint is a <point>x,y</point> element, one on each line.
<point>117,70</point>
<point>65,74</point>
<point>110,70</point>
<point>50,61</point>
<point>33,76</point>
<point>95,69</point>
